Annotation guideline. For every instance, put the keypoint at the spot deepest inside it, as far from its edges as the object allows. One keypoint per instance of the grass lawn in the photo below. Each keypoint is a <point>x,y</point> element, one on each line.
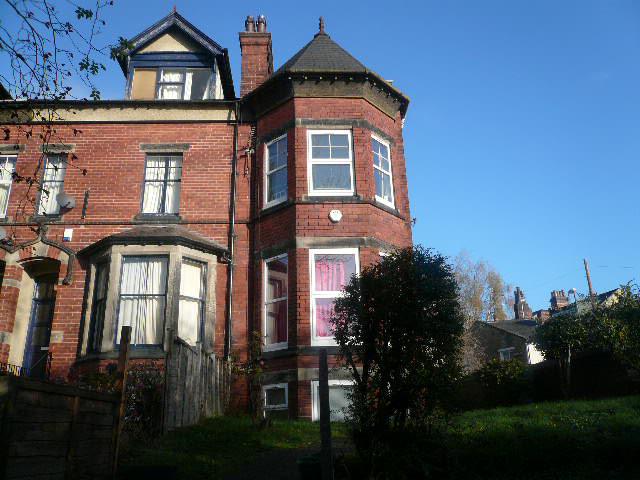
<point>555,440</point>
<point>559,440</point>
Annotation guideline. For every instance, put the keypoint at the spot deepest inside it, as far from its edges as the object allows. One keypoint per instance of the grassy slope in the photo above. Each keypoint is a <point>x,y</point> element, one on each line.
<point>219,445</point>
<point>563,440</point>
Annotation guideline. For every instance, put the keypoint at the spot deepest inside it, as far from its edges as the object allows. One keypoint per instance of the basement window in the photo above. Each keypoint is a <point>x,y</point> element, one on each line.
<point>183,84</point>
<point>276,396</point>
<point>338,399</point>
<point>330,163</point>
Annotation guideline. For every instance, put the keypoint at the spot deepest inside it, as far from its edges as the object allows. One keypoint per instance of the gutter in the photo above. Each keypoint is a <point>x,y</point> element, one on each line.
<point>232,237</point>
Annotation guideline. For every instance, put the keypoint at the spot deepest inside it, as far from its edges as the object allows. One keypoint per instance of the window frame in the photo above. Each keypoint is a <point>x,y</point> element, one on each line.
<point>164,182</point>
<point>313,295</point>
<point>315,396</point>
<point>201,301</point>
<point>266,302</point>
<point>509,350</point>
<point>183,70</point>
<point>4,159</point>
<point>383,200</point>
<point>116,320</point>
<point>327,161</point>
<point>266,203</point>
<point>280,406</point>
<point>64,156</point>
<point>96,332</point>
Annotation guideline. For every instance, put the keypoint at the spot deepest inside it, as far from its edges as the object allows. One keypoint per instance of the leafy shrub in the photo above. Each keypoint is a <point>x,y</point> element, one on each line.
<point>145,391</point>
<point>503,382</point>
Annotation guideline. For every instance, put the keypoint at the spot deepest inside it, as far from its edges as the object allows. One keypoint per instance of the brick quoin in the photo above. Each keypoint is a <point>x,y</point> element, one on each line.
<point>108,161</point>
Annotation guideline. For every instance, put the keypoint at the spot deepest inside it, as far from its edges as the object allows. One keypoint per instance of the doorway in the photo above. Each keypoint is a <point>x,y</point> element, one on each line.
<point>36,352</point>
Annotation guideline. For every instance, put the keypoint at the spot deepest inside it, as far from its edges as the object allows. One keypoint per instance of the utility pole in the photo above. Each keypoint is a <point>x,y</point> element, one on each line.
<point>591,295</point>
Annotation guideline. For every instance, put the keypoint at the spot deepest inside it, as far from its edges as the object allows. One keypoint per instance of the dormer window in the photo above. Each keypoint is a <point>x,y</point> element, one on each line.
<point>183,84</point>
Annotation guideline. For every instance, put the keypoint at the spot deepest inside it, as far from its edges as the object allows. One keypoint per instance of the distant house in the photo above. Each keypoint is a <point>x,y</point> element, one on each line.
<point>506,340</point>
<point>605,299</point>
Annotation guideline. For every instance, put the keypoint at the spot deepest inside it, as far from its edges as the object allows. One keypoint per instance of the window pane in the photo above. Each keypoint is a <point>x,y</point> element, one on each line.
<point>170,92</point>
<point>277,278</point>
<point>200,84</point>
<point>383,185</point>
<point>277,154</point>
<point>191,280</point>
<point>277,185</point>
<point>175,76</point>
<point>4,198</point>
<point>340,152</point>
<point>189,320</point>
<point>339,140</point>
<point>55,168</point>
<point>276,322</point>
<point>320,139</point>
<point>331,177</point>
<point>333,271</point>
<point>143,276</point>
<point>275,396</point>
<point>49,198</point>
<point>155,168</point>
<point>338,401</point>
<point>7,167</point>
<point>172,200</point>
<point>323,314</point>
<point>321,153</point>
<point>145,316</point>
<point>152,202</point>
<point>175,168</point>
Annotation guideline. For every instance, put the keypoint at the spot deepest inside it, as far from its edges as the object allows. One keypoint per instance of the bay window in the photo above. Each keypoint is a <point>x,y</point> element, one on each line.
<point>55,167</point>
<point>331,270</point>
<point>184,84</point>
<point>7,167</point>
<point>382,171</point>
<point>163,174</point>
<point>276,171</point>
<point>143,297</point>
<point>275,303</point>
<point>330,162</point>
<point>192,299</point>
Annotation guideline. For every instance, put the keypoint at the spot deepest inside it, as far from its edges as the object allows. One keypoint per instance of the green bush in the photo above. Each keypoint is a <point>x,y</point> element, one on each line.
<point>503,382</point>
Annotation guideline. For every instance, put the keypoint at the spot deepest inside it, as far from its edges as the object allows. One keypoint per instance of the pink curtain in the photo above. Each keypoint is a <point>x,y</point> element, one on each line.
<point>331,274</point>
<point>324,311</point>
<point>281,321</point>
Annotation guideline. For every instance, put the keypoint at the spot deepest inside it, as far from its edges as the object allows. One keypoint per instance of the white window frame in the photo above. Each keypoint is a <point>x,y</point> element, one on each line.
<point>184,83</point>
<point>502,351</point>
<point>281,345</point>
<point>390,172</point>
<point>325,341</point>
<point>311,162</point>
<point>4,159</point>
<point>282,406</point>
<point>315,397</point>
<point>267,203</point>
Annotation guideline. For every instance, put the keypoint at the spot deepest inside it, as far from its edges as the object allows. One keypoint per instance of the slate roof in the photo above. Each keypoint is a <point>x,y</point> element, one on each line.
<point>521,328</point>
<point>322,55</point>
<point>158,235</point>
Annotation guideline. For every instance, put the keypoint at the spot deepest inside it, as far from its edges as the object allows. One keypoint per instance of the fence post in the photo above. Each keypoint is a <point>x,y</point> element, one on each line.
<point>121,384</point>
<point>326,454</point>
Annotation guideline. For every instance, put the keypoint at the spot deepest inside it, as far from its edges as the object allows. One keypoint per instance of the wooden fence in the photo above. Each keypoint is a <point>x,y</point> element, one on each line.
<point>197,385</point>
<point>55,431</point>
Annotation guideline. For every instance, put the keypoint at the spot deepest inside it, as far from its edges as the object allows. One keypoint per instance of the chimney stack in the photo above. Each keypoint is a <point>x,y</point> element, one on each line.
<point>257,58</point>
<point>559,300</point>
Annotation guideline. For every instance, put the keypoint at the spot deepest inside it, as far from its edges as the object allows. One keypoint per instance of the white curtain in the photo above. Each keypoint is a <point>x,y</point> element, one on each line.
<point>191,299</point>
<point>154,181</point>
<point>171,92</point>
<point>173,185</point>
<point>142,299</point>
<point>52,184</point>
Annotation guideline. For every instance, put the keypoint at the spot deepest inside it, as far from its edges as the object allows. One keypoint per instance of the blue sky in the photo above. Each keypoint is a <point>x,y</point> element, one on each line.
<point>522,138</point>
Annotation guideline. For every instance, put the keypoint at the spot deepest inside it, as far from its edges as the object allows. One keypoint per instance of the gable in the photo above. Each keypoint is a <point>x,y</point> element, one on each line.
<point>172,42</point>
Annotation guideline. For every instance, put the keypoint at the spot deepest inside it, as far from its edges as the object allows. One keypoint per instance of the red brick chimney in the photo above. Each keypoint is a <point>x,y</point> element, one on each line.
<point>257,59</point>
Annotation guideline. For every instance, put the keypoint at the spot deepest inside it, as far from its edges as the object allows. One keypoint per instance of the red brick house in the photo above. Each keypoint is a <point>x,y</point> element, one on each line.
<point>185,210</point>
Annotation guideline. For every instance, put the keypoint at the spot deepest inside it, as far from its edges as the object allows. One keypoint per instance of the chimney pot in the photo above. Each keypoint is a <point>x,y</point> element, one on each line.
<point>249,24</point>
<point>262,23</point>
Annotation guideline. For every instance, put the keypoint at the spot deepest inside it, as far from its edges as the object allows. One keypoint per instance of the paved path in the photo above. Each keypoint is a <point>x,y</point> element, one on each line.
<point>276,465</point>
